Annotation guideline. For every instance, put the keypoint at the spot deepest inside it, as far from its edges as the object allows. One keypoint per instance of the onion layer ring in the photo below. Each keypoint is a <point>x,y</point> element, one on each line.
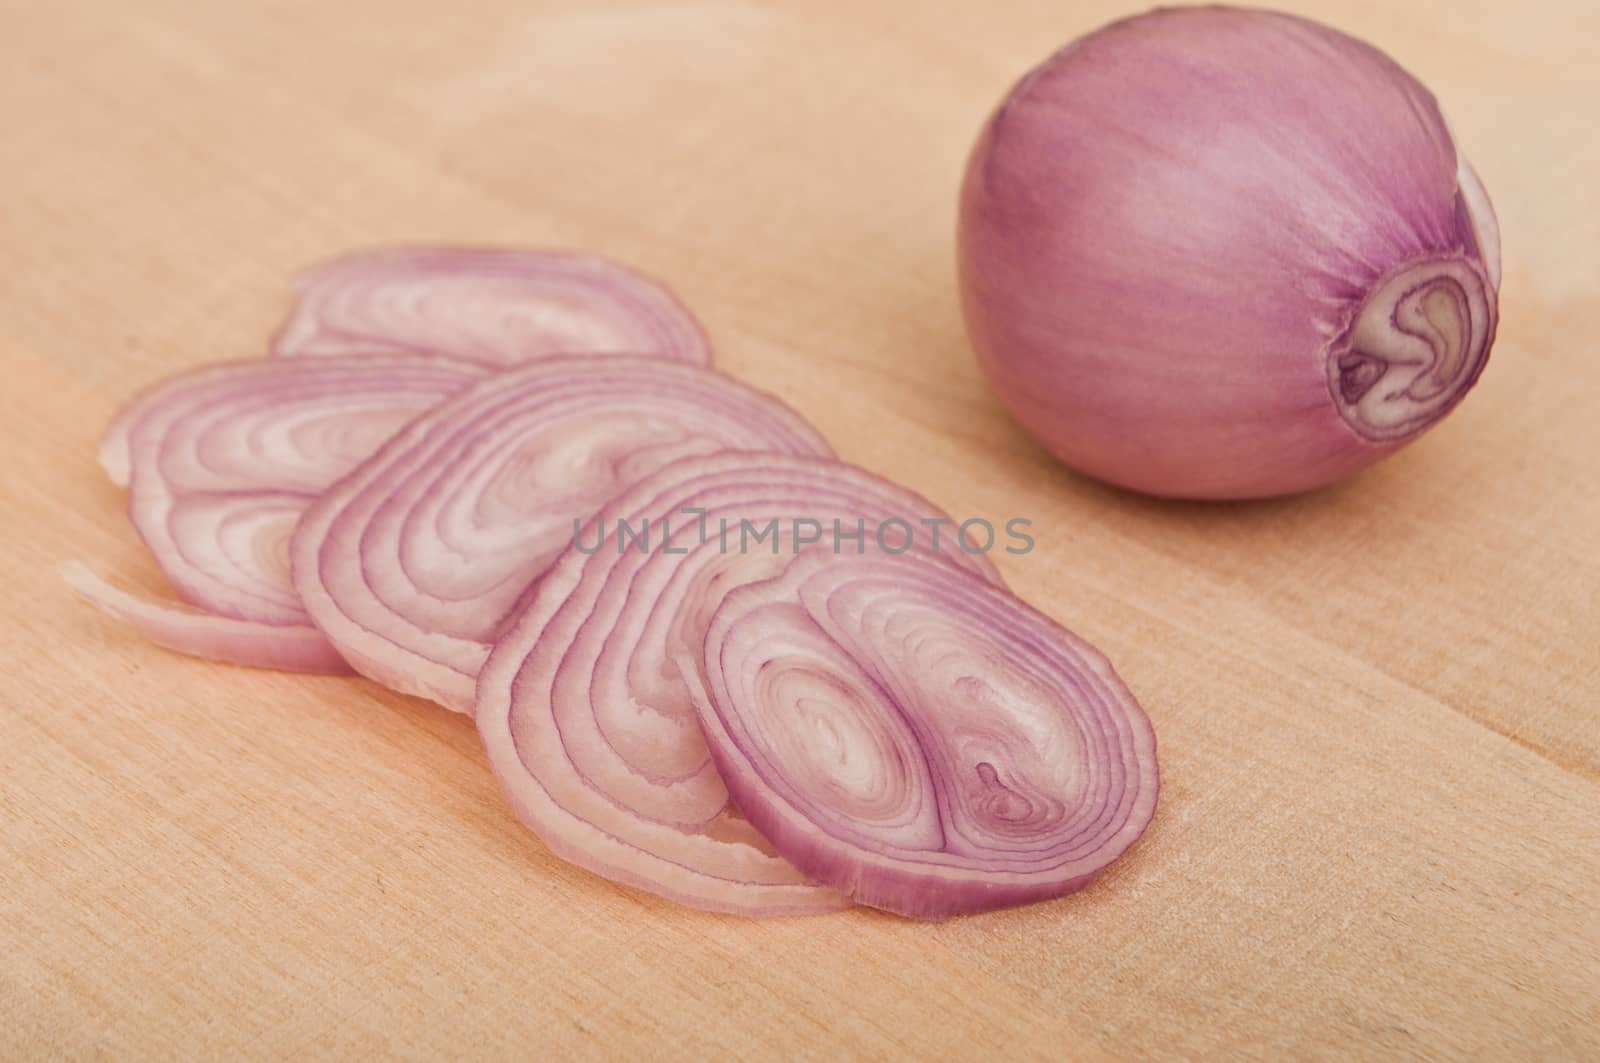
<point>498,307</point>
<point>412,564</point>
<point>221,462</point>
<point>589,725</point>
<point>920,740</point>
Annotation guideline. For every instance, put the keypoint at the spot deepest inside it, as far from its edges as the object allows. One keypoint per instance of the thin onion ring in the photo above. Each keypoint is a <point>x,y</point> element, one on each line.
<point>588,725</point>
<point>920,740</point>
<point>494,306</point>
<point>412,564</point>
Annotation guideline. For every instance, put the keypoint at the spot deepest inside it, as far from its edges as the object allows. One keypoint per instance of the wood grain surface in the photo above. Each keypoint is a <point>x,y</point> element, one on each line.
<point>1377,704</point>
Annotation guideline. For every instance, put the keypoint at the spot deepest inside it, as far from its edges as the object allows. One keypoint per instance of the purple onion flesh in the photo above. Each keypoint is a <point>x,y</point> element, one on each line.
<point>221,462</point>
<point>497,307</point>
<point>921,740</point>
<point>413,563</point>
<point>584,709</point>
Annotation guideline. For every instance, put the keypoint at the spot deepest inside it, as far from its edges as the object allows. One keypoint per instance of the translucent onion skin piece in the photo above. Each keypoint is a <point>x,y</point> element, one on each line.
<point>920,740</point>
<point>413,564</point>
<point>498,307</point>
<point>280,647</point>
<point>221,462</point>
<point>1216,253</point>
<point>587,719</point>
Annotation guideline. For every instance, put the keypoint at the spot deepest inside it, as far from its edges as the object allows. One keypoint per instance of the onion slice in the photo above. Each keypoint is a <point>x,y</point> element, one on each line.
<point>497,307</point>
<point>282,647</point>
<point>221,462</point>
<point>413,563</point>
<point>588,723</point>
<point>920,740</point>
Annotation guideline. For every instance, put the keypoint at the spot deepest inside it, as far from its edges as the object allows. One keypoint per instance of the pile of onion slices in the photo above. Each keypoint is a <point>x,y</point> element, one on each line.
<point>509,481</point>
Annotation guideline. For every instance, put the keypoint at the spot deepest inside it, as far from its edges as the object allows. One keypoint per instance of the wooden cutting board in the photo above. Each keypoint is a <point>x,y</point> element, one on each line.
<point>1377,704</point>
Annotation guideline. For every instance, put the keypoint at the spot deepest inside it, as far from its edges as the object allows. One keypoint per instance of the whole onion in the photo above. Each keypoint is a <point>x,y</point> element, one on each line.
<point>1217,253</point>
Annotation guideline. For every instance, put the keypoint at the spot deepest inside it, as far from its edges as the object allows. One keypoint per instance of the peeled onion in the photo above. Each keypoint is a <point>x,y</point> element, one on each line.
<point>412,564</point>
<point>588,720</point>
<point>1218,253</point>
<point>494,306</point>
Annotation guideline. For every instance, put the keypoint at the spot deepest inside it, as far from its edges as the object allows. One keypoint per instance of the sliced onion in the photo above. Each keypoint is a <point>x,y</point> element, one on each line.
<point>412,564</point>
<point>115,452</point>
<point>494,306</point>
<point>589,724</point>
<point>920,740</point>
<point>220,464</point>
<point>283,647</point>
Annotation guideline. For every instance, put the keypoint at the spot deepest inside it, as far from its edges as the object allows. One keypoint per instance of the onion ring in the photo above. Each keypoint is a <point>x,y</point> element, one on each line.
<point>412,564</point>
<point>920,740</point>
<point>221,462</point>
<point>498,307</point>
<point>588,723</point>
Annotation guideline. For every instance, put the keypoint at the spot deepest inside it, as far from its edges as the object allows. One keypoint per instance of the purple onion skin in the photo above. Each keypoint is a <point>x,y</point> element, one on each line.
<point>1216,253</point>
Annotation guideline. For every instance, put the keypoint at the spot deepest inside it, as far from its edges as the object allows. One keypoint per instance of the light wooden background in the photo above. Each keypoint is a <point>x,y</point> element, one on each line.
<point>1377,705</point>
